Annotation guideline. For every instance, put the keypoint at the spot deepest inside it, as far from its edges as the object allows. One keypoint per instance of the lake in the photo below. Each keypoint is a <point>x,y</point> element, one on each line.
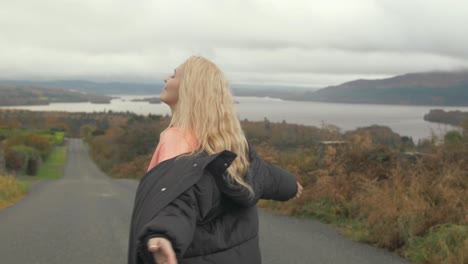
<point>404,120</point>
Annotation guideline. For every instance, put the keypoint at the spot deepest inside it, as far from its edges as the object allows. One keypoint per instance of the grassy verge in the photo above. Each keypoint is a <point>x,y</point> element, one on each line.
<point>53,167</point>
<point>442,244</point>
<point>416,208</point>
<point>446,243</point>
<point>12,190</point>
<point>330,213</point>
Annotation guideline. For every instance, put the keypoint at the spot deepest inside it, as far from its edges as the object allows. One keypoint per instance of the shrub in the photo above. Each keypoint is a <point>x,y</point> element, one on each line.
<point>453,138</point>
<point>22,158</point>
<point>135,168</point>
<point>59,138</point>
<point>33,166</point>
<point>86,132</point>
<point>442,244</point>
<point>39,142</point>
<point>10,190</point>
<point>15,160</point>
<point>391,202</point>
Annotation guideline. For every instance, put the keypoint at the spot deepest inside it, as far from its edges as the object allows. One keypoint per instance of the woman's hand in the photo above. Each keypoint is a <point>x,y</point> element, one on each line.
<point>162,250</point>
<point>299,191</point>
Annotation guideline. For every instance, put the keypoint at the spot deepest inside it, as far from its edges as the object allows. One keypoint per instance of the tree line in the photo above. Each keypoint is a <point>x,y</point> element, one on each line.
<point>20,94</point>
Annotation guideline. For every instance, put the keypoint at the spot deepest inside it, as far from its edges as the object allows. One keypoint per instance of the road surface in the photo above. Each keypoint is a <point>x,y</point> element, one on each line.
<point>84,218</point>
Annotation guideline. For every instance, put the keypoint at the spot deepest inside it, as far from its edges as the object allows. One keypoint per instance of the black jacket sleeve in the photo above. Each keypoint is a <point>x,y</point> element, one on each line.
<point>176,222</point>
<point>277,183</point>
<point>267,181</point>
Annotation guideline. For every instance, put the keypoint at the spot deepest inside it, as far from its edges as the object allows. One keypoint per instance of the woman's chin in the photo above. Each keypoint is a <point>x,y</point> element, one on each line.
<point>162,97</point>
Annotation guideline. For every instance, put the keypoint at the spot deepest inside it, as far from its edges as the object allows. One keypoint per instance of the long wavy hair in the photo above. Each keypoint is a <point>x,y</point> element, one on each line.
<point>206,106</point>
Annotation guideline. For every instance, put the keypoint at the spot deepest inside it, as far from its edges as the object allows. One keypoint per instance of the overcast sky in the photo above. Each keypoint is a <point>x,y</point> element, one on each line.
<point>307,43</point>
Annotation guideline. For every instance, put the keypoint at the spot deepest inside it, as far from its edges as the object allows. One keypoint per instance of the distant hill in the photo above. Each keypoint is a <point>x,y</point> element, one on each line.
<point>431,88</point>
<point>111,88</point>
<point>94,87</point>
<point>20,94</point>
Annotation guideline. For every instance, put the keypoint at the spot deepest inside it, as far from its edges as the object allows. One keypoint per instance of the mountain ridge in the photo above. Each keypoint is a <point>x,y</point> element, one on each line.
<point>427,88</point>
<point>437,88</point>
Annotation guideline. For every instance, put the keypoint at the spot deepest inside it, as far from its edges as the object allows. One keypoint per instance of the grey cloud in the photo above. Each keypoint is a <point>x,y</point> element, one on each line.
<point>317,42</point>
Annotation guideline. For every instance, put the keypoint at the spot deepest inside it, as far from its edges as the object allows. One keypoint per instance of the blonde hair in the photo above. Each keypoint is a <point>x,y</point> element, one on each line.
<point>206,106</point>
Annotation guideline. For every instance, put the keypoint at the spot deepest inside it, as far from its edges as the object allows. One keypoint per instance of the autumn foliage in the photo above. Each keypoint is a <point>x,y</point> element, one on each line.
<point>374,184</point>
<point>11,190</point>
<point>376,194</point>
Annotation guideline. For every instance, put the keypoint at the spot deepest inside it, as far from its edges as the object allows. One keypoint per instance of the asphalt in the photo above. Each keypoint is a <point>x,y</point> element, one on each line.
<point>84,217</point>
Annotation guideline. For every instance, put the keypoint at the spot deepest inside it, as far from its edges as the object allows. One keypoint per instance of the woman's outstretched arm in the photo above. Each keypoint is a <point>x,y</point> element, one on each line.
<point>278,183</point>
<point>268,181</point>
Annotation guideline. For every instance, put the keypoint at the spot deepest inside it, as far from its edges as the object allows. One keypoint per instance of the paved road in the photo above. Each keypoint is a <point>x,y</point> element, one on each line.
<point>84,218</point>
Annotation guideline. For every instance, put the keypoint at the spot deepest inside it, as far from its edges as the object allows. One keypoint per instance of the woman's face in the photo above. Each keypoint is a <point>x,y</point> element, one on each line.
<point>170,92</point>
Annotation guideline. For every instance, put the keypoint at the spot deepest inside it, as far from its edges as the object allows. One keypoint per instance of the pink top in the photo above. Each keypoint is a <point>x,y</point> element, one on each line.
<point>172,143</point>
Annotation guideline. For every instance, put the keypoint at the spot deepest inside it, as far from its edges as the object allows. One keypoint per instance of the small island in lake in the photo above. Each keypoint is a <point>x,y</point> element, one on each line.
<point>151,100</point>
<point>454,118</point>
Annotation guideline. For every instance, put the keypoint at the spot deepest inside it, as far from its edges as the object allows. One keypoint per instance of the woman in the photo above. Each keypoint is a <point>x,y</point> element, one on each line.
<point>196,203</point>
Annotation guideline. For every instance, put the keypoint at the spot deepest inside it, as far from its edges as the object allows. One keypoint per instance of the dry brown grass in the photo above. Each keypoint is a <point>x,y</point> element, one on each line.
<point>11,190</point>
<point>442,244</point>
<point>398,202</point>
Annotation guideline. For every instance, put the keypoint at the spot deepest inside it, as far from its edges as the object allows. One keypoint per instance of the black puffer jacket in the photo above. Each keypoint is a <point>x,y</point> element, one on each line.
<point>209,219</point>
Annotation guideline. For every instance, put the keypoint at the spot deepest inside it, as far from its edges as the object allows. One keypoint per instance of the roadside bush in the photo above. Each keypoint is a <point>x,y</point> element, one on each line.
<point>453,138</point>
<point>33,165</point>
<point>418,207</point>
<point>135,168</point>
<point>2,158</point>
<point>11,190</point>
<point>15,161</point>
<point>55,138</point>
<point>86,132</point>
<point>39,142</point>
<point>22,159</point>
<point>379,135</point>
<point>442,244</point>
